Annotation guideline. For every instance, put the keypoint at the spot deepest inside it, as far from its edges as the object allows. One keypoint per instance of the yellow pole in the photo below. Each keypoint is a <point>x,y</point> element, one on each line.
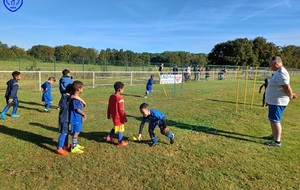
<point>161,84</point>
<point>254,82</point>
<point>237,89</point>
<point>246,86</point>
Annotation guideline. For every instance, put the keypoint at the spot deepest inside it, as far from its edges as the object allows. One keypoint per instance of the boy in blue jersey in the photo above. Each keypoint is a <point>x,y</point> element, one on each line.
<point>11,95</point>
<point>63,120</point>
<point>76,117</point>
<point>149,84</point>
<point>46,97</point>
<point>155,118</point>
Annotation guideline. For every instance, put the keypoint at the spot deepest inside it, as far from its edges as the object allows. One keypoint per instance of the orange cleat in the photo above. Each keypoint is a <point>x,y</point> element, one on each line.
<point>67,147</point>
<point>123,143</point>
<point>109,139</point>
<point>62,152</point>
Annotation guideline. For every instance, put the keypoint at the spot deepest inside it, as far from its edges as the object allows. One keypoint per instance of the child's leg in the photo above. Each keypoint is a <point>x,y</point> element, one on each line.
<point>120,137</point>
<point>75,140</point>
<point>63,137</point>
<point>111,133</point>
<point>47,105</point>
<point>15,106</point>
<point>164,130</point>
<point>151,132</point>
<point>61,140</point>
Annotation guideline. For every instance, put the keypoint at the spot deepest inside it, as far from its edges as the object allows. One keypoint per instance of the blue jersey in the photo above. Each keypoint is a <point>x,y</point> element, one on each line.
<point>149,84</point>
<point>12,89</point>
<point>64,82</point>
<point>154,117</point>
<point>75,117</point>
<point>47,87</point>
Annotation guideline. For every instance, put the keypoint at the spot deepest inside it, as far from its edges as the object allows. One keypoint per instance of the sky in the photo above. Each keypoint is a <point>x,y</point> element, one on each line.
<point>152,26</point>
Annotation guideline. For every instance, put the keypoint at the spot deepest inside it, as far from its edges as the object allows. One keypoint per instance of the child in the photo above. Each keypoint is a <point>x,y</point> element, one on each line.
<point>63,120</point>
<point>264,95</point>
<point>76,117</point>
<point>11,95</point>
<point>155,117</point>
<point>46,97</point>
<point>116,111</point>
<point>149,88</point>
<point>64,81</point>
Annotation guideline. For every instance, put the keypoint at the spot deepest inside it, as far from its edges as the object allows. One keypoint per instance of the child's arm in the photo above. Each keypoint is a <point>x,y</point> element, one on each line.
<point>108,112</point>
<point>122,111</point>
<point>80,99</point>
<point>141,128</point>
<point>81,113</point>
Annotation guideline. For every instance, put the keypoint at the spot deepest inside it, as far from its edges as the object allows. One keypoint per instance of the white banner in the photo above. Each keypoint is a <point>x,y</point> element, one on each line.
<point>170,79</point>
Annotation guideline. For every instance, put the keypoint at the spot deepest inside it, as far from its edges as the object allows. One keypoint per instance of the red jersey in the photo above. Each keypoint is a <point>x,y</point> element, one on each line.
<point>115,109</point>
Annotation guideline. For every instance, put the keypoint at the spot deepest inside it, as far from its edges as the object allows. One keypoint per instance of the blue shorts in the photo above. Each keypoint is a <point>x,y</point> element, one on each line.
<point>76,128</point>
<point>275,113</point>
<point>46,97</point>
<point>63,128</point>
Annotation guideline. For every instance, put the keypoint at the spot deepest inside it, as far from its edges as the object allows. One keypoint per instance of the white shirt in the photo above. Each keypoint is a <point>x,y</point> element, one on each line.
<point>275,94</point>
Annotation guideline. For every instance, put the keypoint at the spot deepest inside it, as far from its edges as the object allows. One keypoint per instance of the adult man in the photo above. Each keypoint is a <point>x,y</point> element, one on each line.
<point>278,95</point>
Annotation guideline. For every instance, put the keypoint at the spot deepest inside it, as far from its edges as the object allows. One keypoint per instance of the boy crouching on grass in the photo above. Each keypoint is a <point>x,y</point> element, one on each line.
<point>63,120</point>
<point>116,112</point>
<point>76,117</point>
<point>154,117</point>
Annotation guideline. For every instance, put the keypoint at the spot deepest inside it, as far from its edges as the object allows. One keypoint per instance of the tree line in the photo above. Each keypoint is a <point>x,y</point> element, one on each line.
<point>238,52</point>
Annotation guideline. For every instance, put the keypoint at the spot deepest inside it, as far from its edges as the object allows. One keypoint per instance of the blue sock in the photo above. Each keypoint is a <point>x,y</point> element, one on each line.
<point>66,143</point>
<point>6,108</point>
<point>170,135</point>
<point>74,142</point>
<point>15,109</point>
<point>47,105</point>
<point>120,137</point>
<point>61,140</point>
<point>154,139</point>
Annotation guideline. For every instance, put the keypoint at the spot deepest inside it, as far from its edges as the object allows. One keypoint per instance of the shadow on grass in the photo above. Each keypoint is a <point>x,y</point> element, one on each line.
<point>37,139</point>
<point>184,127</point>
<point>35,109</point>
<point>31,103</point>
<point>232,102</point>
<point>93,136</point>
<point>133,95</point>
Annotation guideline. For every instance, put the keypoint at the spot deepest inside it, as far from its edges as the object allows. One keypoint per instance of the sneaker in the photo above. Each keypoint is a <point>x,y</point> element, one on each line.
<point>123,143</point>
<point>172,139</point>
<point>61,152</point>
<point>15,115</point>
<point>3,116</point>
<point>109,139</point>
<point>145,96</point>
<point>46,110</point>
<point>80,147</point>
<point>268,137</point>
<point>76,150</point>
<point>67,147</point>
<point>273,143</point>
<point>153,144</point>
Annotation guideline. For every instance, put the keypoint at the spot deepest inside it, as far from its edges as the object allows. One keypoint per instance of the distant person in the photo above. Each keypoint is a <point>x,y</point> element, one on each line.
<point>265,84</point>
<point>161,69</point>
<point>149,87</point>
<point>11,95</point>
<point>46,97</point>
<point>116,112</point>
<point>77,116</point>
<point>175,70</point>
<point>278,94</point>
<point>207,70</point>
<point>64,81</point>
<point>155,117</point>
<point>196,73</point>
<point>189,71</point>
<point>63,120</point>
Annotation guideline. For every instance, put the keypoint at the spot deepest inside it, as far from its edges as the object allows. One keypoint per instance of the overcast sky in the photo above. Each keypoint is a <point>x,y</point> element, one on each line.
<point>153,26</point>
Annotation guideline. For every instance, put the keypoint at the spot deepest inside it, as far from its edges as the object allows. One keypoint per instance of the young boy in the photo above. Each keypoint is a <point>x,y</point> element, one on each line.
<point>116,112</point>
<point>46,97</point>
<point>155,117</point>
<point>11,95</point>
<point>64,81</point>
<point>76,117</point>
<point>149,84</point>
<point>63,120</point>
<point>264,104</point>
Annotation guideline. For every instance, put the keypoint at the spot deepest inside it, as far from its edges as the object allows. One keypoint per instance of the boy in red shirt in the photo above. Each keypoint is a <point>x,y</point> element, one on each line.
<point>116,112</point>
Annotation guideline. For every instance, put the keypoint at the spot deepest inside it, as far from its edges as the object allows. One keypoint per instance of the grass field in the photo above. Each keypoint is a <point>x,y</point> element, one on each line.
<point>215,147</point>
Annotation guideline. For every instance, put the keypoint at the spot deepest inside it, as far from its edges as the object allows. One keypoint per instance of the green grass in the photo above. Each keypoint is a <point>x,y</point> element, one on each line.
<point>232,157</point>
